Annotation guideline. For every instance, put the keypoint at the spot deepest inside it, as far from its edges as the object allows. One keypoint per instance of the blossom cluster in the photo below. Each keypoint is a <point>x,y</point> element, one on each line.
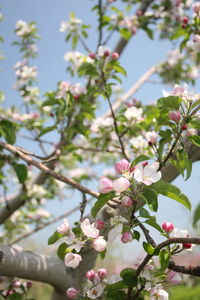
<point>89,232</point>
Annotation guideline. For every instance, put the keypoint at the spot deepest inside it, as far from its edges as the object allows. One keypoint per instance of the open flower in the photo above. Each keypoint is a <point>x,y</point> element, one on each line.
<point>72,260</point>
<point>147,174</point>
<point>64,227</point>
<point>89,229</point>
<point>158,293</point>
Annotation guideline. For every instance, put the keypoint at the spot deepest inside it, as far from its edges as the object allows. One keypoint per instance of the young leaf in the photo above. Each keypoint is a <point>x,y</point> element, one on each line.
<point>164,257</point>
<point>152,222</point>
<point>151,199</point>
<point>148,248</point>
<point>61,251</point>
<point>102,200</point>
<point>195,139</point>
<point>196,217</point>
<point>139,159</point>
<point>171,191</point>
<point>54,237</point>
<point>21,172</point>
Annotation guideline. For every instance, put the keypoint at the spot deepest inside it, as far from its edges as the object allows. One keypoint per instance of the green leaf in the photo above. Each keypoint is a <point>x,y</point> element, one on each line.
<point>144,213</point>
<point>136,235</point>
<point>16,296</point>
<point>195,139</point>
<point>151,199</point>
<point>116,66</point>
<point>164,257</point>
<point>179,32</point>
<point>171,191</point>
<point>102,200</point>
<point>116,286</point>
<point>196,217</point>
<point>139,159</point>
<point>116,294</point>
<point>128,276</point>
<point>170,102</point>
<point>21,172</point>
<point>102,254</point>
<point>87,69</point>
<point>47,129</point>
<point>61,251</point>
<point>125,33</point>
<point>148,248</point>
<point>8,130</point>
<point>54,237</point>
<point>51,102</point>
<point>152,222</point>
<point>127,271</point>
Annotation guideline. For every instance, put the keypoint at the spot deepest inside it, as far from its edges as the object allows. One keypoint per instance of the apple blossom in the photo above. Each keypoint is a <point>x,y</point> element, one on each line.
<point>102,273</point>
<point>173,277</point>
<point>95,292</point>
<point>17,283</point>
<point>191,131</point>
<point>151,136</point>
<point>103,51</point>
<point>99,224</point>
<point>174,115</point>
<point>167,227</point>
<point>126,201</point>
<point>115,55</point>
<point>72,260</point>
<point>121,166</point>
<point>99,244</point>
<point>105,185</point>
<point>126,237</point>
<point>196,7</point>
<point>64,227</point>
<point>176,233</point>
<point>90,274</point>
<point>89,229</point>
<point>121,184</point>
<point>158,293</point>
<point>147,174</point>
<point>72,293</point>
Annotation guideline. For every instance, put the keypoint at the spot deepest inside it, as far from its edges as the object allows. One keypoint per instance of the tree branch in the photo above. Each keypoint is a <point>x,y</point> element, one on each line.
<point>27,265</point>
<point>29,160</point>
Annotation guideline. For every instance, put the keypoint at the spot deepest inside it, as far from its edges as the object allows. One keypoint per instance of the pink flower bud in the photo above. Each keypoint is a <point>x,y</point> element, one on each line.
<point>126,237</point>
<point>196,7</point>
<point>184,127</point>
<point>102,273</point>
<point>126,201</point>
<point>139,13</point>
<point>17,283</point>
<point>185,20</point>
<point>90,274</point>
<point>115,55</point>
<point>99,244</point>
<point>105,185</point>
<point>99,224</point>
<point>122,165</point>
<point>121,184</point>
<point>151,137</point>
<point>72,293</point>
<point>92,55</point>
<point>187,245</point>
<point>174,115</point>
<point>167,227</point>
<point>28,284</point>
<point>106,53</point>
<point>196,38</point>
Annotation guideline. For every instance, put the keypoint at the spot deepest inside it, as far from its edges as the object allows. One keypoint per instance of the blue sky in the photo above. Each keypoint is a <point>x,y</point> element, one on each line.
<point>141,54</point>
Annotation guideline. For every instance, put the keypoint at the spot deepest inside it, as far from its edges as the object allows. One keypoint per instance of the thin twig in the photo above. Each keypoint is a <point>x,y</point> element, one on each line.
<point>83,206</point>
<point>46,170</point>
<point>42,226</point>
